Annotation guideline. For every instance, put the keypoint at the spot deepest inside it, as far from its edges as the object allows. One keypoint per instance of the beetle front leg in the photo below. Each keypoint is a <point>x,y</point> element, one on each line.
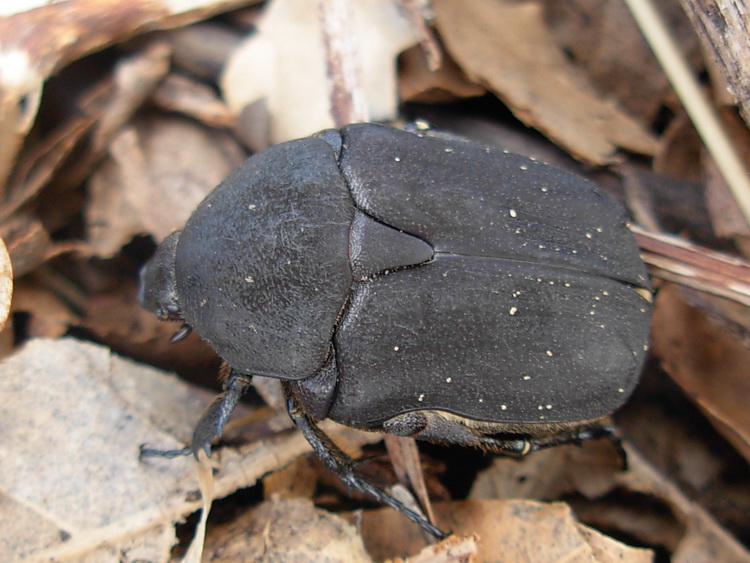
<point>343,466</point>
<point>214,418</point>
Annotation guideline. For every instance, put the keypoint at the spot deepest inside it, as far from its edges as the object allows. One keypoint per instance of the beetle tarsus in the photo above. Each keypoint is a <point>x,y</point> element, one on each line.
<point>151,452</point>
<point>214,418</point>
<point>519,446</point>
<point>342,465</point>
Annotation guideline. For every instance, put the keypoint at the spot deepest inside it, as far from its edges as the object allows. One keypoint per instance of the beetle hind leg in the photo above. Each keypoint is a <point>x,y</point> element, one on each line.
<point>343,466</point>
<point>521,444</point>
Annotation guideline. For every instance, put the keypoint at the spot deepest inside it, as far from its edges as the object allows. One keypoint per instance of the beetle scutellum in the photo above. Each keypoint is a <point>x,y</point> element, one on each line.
<point>408,284</point>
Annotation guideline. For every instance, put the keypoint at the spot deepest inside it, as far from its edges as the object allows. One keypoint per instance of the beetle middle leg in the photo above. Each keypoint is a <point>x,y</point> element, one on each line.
<point>343,466</point>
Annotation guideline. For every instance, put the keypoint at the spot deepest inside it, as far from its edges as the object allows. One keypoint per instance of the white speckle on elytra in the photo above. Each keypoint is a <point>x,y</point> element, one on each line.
<point>574,251</point>
<point>503,407</point>
<point>645,347</point>
<point>549,352</point>
<point>592,313</point>
<point>524,167</point>
<point>548,407</point>
<point>605,292</point>
<point>397,159</point>
<point>202,303</point>
<point>621,390</point>
<point>599,230</point>
<point>481,400</point>
<point>395,348</point>
<point>567,284</point>
<point>513,213</point>
<point>540,407</point>
<point>448,150</point>
<point>545,190</point>
<point>526,377</point>
<point>589,235</point>
<point>448,379</point>
<point>251,206</point>
<point>513,311</point>
<point>249,279</point>
<point>597,298</point>
<point>420,398</point>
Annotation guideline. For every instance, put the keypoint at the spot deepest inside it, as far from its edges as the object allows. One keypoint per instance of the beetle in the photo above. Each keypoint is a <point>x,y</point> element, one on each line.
<point>411,284</point>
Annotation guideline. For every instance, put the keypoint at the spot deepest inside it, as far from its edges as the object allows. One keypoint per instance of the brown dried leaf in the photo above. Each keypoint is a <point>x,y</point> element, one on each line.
<point>194,99</point>
<point>506,46</point>
<point>35,43</point>
<point>29,243</point>
<point>418,83</point>
<point>707,354</point>
<point>513,531</point>
<point>605,41</point>
<point>550,474</point>
<point>286,530</point>
<point>160,169</point>
<point>703,538</point>
<point>49,315</point>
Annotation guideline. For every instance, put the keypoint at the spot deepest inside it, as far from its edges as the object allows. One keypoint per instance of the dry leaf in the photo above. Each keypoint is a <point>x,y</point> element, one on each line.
<point>180,94</point>
<point>36,43</point>
<point>49,314</point>
<point>74,417</point>
<point>512,531</point>
<point>605,41</point>
<point>418,83</point>
<point>458,549</point>
<point>286,530</point>
<point>6,284</point>
<point>284,64</point>
<point>161,168</point>
<point>707,355</point>
<point>506,46</point>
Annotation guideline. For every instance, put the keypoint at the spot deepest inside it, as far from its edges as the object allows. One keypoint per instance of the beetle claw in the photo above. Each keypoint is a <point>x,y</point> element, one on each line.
<point>181,334</point>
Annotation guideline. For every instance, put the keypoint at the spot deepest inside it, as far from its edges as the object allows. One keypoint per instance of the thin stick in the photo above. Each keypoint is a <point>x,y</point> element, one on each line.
<point>696,103</point>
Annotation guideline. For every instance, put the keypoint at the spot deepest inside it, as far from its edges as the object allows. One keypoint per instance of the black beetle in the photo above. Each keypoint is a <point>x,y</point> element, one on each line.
<point>410,284</point>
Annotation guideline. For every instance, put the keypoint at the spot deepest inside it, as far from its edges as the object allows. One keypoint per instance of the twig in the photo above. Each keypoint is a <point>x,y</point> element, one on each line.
<point>696,103</point>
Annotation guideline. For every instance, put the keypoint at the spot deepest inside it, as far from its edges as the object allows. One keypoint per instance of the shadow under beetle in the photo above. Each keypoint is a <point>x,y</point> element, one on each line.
<point>421,286</point>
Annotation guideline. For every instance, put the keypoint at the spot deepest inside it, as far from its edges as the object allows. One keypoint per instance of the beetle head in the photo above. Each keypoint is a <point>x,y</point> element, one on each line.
<point>158,289</point>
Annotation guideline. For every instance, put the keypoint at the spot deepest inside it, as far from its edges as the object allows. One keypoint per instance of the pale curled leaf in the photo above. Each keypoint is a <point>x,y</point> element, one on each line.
<point>284,65</point>
<point>6,284</point>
